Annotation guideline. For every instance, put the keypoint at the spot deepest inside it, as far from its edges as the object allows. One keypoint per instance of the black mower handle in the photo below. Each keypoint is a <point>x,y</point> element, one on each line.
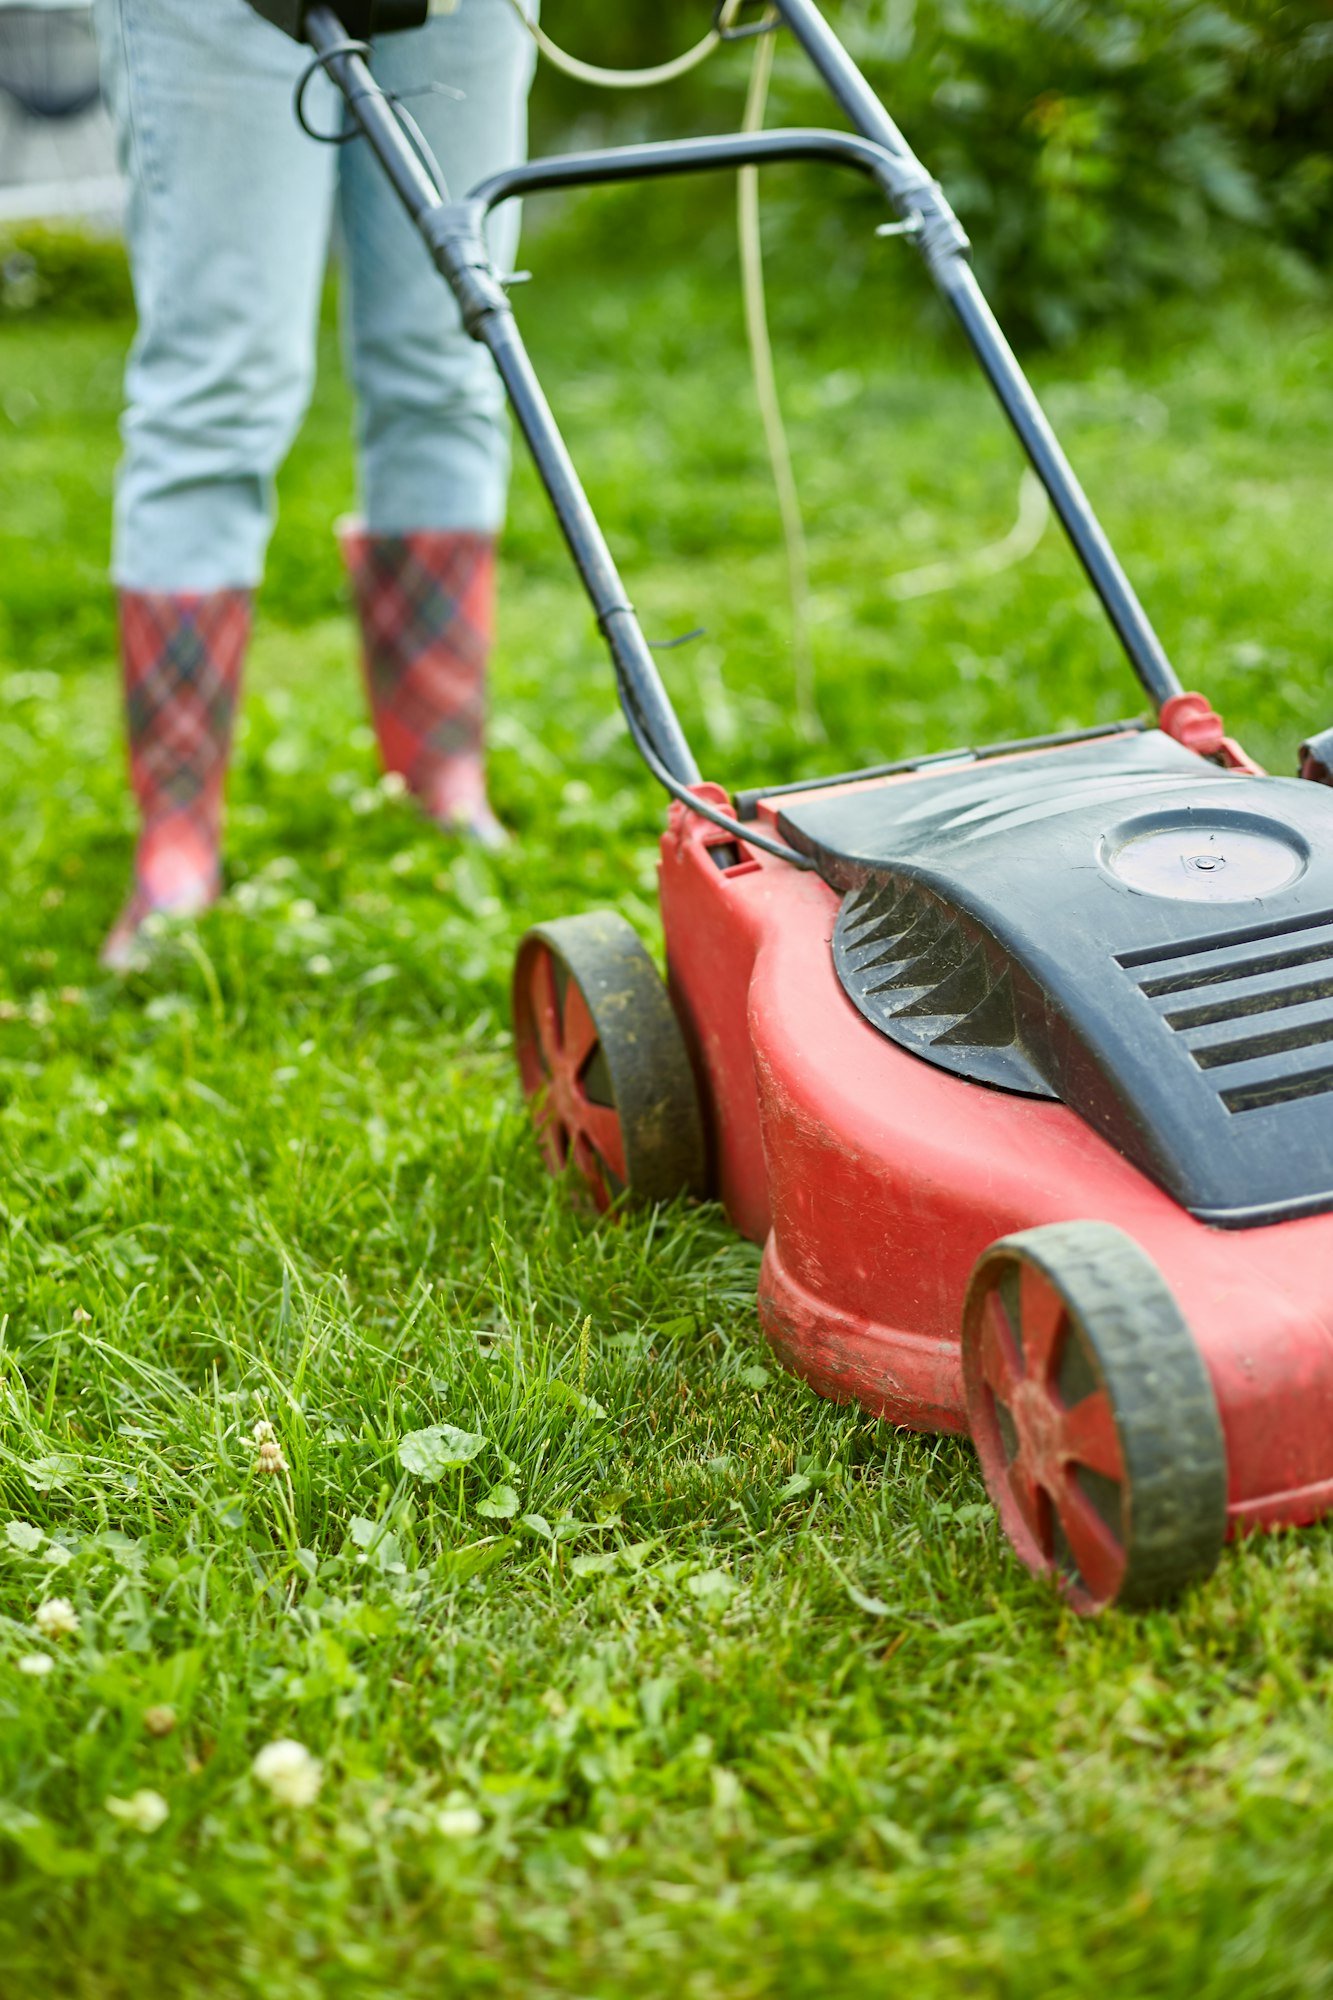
<point>726,152</point>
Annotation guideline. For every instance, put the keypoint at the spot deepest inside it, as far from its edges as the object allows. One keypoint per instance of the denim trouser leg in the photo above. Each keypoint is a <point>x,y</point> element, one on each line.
<point>432,433</point>
<point>228,225</point>
<point>229,216</point>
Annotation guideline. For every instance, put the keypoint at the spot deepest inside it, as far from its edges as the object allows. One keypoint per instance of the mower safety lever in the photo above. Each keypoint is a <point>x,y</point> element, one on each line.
<point>907,186</point>
<point>932,226</point>
<point>453,232</point>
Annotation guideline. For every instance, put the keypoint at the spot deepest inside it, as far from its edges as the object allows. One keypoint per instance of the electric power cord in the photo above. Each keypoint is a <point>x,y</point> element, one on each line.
<point>755,303</point>
<point>615,79</point>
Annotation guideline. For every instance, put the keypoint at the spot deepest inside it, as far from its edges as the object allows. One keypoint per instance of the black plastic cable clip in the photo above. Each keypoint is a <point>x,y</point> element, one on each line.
<point>748,30</point>
<point>670,645</point>
<point>623,610</point>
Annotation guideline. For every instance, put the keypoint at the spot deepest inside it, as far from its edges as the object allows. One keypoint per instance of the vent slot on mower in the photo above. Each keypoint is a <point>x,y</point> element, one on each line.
<point>923,975</point>
<point>1256,1000</point>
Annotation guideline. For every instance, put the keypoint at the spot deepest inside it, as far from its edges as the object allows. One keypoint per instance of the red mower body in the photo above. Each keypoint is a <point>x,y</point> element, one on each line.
<point>876,1181</point>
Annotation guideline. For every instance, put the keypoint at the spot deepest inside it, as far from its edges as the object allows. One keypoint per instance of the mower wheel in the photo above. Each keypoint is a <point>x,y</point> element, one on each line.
<point>1093,1416</point>
<point>603,1062</point>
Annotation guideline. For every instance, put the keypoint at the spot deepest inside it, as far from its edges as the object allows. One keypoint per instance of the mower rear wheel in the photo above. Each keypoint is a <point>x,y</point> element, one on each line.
<point>603,1062</point>
<point>1093,1416</point>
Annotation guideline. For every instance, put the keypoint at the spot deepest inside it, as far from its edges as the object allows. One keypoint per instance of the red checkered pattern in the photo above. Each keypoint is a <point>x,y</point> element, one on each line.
<point>427,608</point>
<point>182,659</point>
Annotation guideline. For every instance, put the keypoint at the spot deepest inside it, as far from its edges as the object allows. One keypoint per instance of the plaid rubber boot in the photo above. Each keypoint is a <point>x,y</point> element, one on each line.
<point>426,602</point>
<point>181,658</point>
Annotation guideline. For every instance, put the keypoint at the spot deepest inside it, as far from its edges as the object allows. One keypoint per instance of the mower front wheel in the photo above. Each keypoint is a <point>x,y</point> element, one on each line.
<point>603,1062</point>
<point>1093,1416</point>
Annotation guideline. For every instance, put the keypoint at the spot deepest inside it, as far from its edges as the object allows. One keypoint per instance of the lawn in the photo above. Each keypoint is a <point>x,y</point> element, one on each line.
<point>687,1682</point>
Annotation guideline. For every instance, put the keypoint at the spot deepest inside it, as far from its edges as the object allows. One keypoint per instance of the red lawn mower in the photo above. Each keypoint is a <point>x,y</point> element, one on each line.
<point>1018,1061</point>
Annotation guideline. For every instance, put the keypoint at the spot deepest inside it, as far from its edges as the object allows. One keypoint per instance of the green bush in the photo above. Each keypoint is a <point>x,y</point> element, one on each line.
<point>65,271</point>
<point>1102,153</point>
<point>1283,112</point>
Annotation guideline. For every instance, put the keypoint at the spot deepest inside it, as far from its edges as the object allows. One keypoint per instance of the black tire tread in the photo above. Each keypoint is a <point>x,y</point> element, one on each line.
<point>652,1078</point>
<point>1165,1411</point>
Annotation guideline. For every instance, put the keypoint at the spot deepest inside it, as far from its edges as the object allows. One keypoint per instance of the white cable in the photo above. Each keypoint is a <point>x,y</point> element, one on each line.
<point>1034,511</point>
<point>612,79</point>
<point>770,406</point>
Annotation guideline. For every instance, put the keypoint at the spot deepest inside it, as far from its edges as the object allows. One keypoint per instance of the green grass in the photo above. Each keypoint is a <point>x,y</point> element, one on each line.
<point>650,1740</point>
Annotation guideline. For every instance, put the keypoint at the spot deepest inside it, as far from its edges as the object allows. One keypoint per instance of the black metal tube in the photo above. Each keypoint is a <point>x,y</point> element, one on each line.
<point>747,803</point>
<point>953,275</point>
<point>451,235</point>
<point>845,82</point>
<point>724,152</point>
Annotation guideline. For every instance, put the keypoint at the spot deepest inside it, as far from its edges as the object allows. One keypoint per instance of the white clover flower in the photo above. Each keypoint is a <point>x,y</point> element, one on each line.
<point>35,1664</point>
<point>458,1822</point>
<point>159,1720</point>
<point>269,1457</point>
<point>56,1618</point>
<point>289,1771</point>
<point>144,1811</point>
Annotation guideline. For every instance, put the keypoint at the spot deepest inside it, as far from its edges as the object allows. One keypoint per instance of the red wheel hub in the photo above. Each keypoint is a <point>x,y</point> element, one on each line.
<point>1037,1447</point>
<point>558,1044</point>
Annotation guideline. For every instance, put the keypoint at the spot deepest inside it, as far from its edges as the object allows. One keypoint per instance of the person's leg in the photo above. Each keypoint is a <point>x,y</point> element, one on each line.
<point>432,433</point>
<point>228,220</point>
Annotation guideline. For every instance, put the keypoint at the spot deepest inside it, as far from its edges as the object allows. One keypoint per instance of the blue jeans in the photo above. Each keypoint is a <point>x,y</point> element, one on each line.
<point>230,212</point>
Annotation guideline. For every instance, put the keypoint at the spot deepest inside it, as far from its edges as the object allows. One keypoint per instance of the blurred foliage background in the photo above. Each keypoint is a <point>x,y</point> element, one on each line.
<point>1102,152</point>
